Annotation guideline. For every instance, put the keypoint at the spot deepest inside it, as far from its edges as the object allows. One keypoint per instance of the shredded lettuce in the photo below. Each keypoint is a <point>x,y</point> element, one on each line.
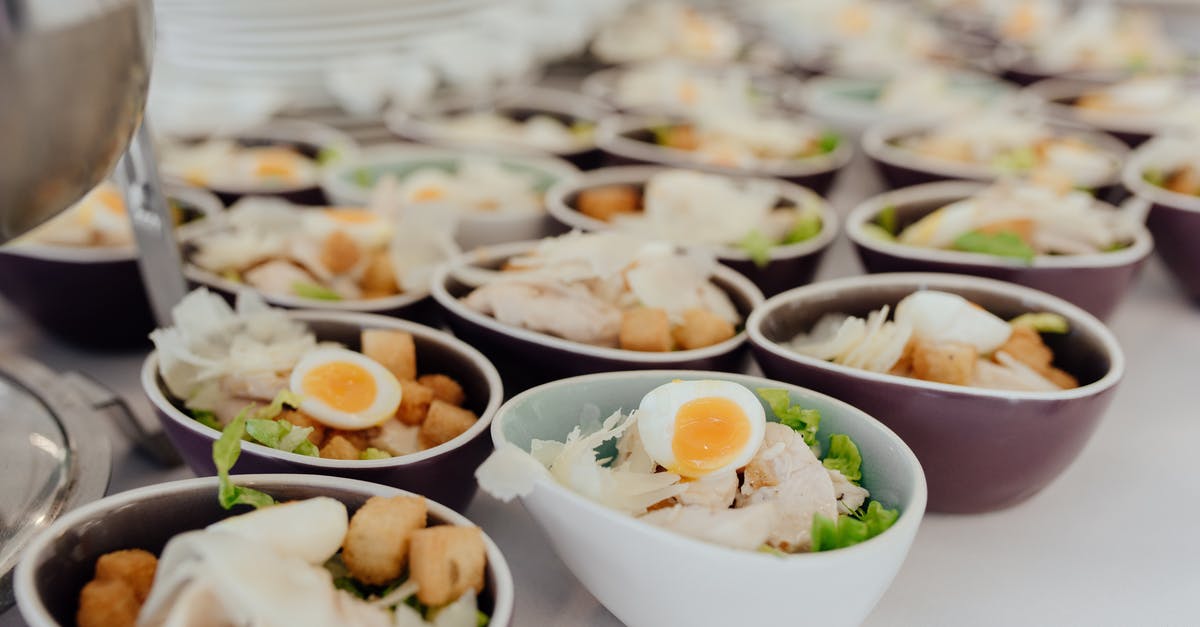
<point>804,421</point>
<point>1002,244</point>
<point>328,154</point>
<point>481,619</point>
<point>373,453</point>
<point>886,220</point>
<point>1155,177</point>
<point>206,418</point>
<point>314,291</point>
<point>828,535</point>
<point>225,453</point>
<point>282,435</point>
<point>807,226</point>
<point>828,142</point>
<point>1042,322</point>
<point>758,246</point>
<point>843,456</point>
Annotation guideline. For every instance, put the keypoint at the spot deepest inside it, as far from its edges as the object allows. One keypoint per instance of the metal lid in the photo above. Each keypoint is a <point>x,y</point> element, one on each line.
<point>54,456</point>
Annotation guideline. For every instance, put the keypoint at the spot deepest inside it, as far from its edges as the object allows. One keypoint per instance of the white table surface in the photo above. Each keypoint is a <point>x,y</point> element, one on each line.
<point>1114,541</point>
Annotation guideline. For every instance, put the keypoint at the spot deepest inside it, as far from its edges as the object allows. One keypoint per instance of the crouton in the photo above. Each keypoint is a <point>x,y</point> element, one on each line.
<point>397,438</point>
<point>608,201</point>
<point>134,567</point>
<point>1026,346</point>
<point>1021,227</point>
<point>1061,378</point>
<point>1185,180</point>
<point>645,329</point>
<point>701,328</point>
<point>338,447</point>
<point>394,349</point>
<point>679,137</point>
<point>444,423</point>
<point>107,603</point>
<point>414,402</point>
<point>301,419</point>
<point>380,276</point>
<point>903,366</point>
<point>947,362</point>
<point>377,541</point>
<point>446,561</point>
<point>339,253</point>
<point>444,388</point>
<point>359,438</point>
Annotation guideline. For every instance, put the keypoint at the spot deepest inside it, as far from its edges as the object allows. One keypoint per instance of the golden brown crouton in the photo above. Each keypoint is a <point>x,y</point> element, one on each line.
<point>446,561</point>
<point>903,366</point>
<point>338,447</point>
<point>414,402</point>
<point>948,362</point>
<point>1185,180</point>
<point>107,603</point>
<point>645,329</point>
<point>1026,346</point>
<point>1022,227</point>
<point>394,349</point>
<point>380,276</point>
<point>358,438</point>
<point>134,567</point>
<point>377,542</point>
<point>702,328</point>
<point>680,137</point>
<point>301,419</point>
<point>608,201</point>
<point>444,423</point>
<point>444,388</point>
<point>339,252</point>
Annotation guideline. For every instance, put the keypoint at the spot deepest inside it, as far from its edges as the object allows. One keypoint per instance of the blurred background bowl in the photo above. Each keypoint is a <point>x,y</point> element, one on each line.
<point>838,587</point>
<point>790,264</point>
<point>444,473</point>
<point>60,561</point>
<point>1096,282</point>
<point>982,450</point>
<point>1173,218</point>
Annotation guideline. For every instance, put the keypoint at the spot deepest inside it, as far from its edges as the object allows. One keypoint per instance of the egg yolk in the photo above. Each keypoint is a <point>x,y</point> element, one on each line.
<point>351,216</point>
<point>343,386</point>
<point>426,194</point>
<point>709,433</point>
<point>276,163</point>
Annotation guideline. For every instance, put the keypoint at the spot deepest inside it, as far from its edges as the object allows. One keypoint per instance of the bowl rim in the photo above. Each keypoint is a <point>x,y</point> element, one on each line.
<point>910,517</point>
<point>158,396</point>
<point>559,209</point>
<point>1135,168</point>
<point>876,144</point>
<point>422,125</point>
<point>443,297</point>
<point>30,603</point>
<point>952,191</point>
<point>340,190</point>
<point>601,84</point>
<point>1076,316</point>
<point>282,130</point>
<point>610,137</point>
<point>198,197</point>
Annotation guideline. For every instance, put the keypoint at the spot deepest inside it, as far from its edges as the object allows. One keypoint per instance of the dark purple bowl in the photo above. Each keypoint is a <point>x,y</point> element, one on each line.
<point>1173,218</point>
<point>529,358</point>
<point>567,107</point>
<point>62,559</point>
<point>444,473</point>
<point>982,450</point>
<point>310,139</point>
<point>904,168</point>
<point>1096,282</point>
<point>627,140</point>
<point>91,297</point>
<point>791,265</point>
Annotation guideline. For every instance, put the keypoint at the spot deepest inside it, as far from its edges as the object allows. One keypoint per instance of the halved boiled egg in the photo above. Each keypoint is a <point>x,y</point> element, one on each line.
<point>367,228</point>
<point>344,389</point>
<point>699,428</point>
<point>942,317</point>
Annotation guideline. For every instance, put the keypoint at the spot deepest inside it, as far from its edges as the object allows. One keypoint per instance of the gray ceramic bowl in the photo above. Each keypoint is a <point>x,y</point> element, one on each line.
<point>790,265</point>
<point>62,559</point>
<point>1174,218</point>
<point>528,358</point>
<point>567,107</point>
<point>1096,282</point>
<point>443,473</point>
<point>651,576</point>
<point>1060,95</point>
<point>902,168</point>
<point>629,140</point>
<point>88,296</point>
<point>310,139</point>
<point>982,450</point>
<point>350,183</point>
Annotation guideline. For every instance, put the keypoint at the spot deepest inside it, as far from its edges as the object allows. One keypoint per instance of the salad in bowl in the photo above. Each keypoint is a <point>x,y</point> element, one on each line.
<point>679,88</point>
<point>1134,109</point>
<point>654,30</point>
<point>1164,174</point>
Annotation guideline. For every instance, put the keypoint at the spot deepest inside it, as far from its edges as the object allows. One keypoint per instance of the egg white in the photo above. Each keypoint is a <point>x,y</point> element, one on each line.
<point>658,410</point>
<point>321,223</point>
<point>942,317</point>
<point>387,390</point>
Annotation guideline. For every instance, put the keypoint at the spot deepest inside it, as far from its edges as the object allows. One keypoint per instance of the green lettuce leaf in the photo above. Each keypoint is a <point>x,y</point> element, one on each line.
<point>225,453</point>
<point>805,421</point>
<point>807,226</point>
<point>828,142</point>
<point>1016,161</point>
<point>481,619</point>
<point>314,291</point>
<point>879,519</point>
<point>1002,244</point>
<point>1155,177</point>
<point>828,535</point>
<point>758,246</point>
<point>843,456</point>
<point>206,418</point>
<point>373,453</point>
<point>887,220</point>
<point>1042,322</point>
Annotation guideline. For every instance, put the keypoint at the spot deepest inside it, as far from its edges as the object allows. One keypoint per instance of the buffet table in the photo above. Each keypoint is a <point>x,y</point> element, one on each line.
<point>1109,543</point>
